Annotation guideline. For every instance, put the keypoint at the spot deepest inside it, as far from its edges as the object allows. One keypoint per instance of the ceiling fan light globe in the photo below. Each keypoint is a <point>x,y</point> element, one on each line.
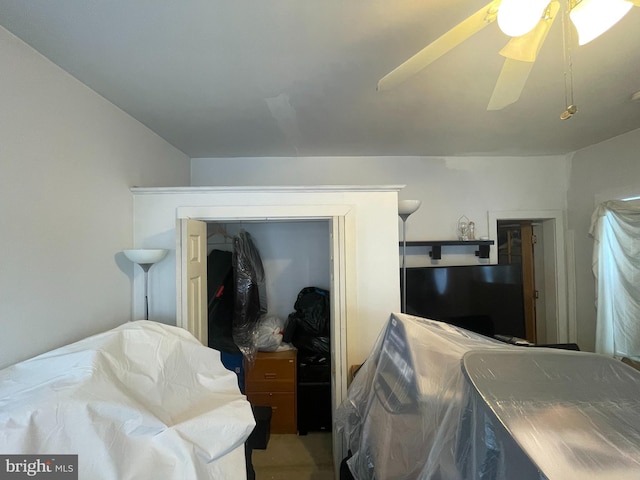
<point>594,17</point>
<point>518,17</point>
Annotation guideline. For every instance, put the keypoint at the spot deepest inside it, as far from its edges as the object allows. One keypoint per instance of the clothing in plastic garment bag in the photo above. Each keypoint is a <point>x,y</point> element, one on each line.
<point>250,294</point>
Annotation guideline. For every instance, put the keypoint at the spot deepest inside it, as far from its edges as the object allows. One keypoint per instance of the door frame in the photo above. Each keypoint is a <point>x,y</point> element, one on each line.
<point>558,280</point>
<point>342,221</point>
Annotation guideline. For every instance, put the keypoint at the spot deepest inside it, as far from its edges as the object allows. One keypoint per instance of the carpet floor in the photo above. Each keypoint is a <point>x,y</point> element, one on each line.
<point>295,457</point>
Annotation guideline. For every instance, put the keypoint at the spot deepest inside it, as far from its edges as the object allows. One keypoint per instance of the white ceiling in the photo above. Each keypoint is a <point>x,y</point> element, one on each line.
<point>227,78</point>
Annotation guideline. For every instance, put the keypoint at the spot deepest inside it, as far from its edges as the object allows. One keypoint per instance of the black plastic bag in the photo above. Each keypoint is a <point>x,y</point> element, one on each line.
<point>312,311</point>
<point>309,345</point>
<point>308,327</point>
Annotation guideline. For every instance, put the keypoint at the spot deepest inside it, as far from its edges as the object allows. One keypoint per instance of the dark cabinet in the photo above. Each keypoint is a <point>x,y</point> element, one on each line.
<point>314,397</point>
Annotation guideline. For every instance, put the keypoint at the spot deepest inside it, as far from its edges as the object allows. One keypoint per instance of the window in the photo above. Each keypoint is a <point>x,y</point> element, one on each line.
<point>615,228</point>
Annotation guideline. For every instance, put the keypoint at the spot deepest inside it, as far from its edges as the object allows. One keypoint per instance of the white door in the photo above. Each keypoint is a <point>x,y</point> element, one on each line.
<point>193,262</point>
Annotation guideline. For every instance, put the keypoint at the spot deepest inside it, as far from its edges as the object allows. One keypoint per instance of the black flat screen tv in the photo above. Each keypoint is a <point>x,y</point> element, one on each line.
<point>486,299</point>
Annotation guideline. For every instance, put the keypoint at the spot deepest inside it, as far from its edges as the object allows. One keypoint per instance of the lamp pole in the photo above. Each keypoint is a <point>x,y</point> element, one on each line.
<point>404,260</point>
<point>146,267</point>
<point>405,208</point>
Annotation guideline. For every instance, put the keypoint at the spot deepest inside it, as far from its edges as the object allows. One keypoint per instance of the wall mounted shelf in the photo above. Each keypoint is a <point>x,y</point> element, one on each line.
<point>484,246</point>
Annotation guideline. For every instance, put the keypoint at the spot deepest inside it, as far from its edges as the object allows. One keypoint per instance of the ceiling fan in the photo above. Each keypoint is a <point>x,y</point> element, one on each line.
<point>528,22</point>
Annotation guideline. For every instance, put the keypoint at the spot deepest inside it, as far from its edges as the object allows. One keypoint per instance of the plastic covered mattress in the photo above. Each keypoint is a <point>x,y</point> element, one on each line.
<point>142,401</point>
<point>434,401</point>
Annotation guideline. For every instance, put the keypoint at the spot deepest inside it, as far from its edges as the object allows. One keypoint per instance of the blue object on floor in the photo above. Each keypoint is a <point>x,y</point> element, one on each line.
<point>234,362</point>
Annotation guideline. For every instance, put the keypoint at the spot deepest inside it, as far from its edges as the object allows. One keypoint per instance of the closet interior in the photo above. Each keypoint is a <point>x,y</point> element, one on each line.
<point>289,264</point>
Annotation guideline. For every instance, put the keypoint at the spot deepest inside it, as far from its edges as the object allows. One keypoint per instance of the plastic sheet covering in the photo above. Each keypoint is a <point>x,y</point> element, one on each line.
<point>434,401</point>
<point>250,294</point>
<point>615,227</point>
<point>142,401</point>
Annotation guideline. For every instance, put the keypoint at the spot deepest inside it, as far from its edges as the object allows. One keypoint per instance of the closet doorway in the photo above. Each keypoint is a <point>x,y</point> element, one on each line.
<point>339,221</point>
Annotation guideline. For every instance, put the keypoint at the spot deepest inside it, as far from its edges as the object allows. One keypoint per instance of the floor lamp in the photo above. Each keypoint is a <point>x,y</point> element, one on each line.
<point>146,258</point>
<point>405,208</point>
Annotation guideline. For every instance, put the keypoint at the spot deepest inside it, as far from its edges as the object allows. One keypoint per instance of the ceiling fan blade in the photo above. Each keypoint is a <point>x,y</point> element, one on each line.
<point>440,46</point>
<point>526,47</point>
<point>510,83</point>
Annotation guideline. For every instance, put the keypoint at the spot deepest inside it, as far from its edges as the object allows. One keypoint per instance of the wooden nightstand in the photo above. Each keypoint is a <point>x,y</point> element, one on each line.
<point>271,381</point>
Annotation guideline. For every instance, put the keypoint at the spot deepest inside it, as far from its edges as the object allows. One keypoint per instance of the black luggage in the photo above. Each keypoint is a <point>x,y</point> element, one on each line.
<point>220,301</point>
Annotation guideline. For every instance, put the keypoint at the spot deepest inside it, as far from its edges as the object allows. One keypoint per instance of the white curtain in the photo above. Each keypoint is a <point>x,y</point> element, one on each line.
<point>615,227</point>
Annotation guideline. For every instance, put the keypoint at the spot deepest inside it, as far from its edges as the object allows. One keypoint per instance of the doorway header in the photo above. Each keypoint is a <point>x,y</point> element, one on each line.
<point>276,189</point>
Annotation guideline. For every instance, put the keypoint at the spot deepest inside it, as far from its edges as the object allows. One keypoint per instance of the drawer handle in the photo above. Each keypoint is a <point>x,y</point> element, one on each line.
<point>270,376</point>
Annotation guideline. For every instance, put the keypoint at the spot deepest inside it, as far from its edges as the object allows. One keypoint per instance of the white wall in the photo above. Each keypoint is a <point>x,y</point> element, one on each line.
<point>372,298</point>
<point>67,160</point>
<point>448,187</point>
<point>604,171</point>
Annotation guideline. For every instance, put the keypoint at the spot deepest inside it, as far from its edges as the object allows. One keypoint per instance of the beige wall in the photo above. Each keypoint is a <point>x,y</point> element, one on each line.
<point>67,160</point>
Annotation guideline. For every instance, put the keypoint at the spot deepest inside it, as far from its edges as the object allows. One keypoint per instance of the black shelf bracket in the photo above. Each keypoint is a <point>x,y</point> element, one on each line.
<point>483,251</point>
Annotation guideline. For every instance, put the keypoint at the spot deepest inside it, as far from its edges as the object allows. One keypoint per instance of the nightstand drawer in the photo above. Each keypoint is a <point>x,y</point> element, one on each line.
<point>272,372</point>
<point>271,381</point>
<point>283,405</point>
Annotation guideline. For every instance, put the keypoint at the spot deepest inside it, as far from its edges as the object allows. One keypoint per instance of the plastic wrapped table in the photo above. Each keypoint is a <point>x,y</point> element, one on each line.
<point>434,401</point>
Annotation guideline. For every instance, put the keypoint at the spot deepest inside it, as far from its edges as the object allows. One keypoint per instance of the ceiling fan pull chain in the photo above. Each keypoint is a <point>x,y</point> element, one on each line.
<point>570,108</point>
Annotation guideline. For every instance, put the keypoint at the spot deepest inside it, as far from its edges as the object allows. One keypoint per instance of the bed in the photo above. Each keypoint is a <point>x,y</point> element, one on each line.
<point>144,400</point>
<point>434,401</point>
